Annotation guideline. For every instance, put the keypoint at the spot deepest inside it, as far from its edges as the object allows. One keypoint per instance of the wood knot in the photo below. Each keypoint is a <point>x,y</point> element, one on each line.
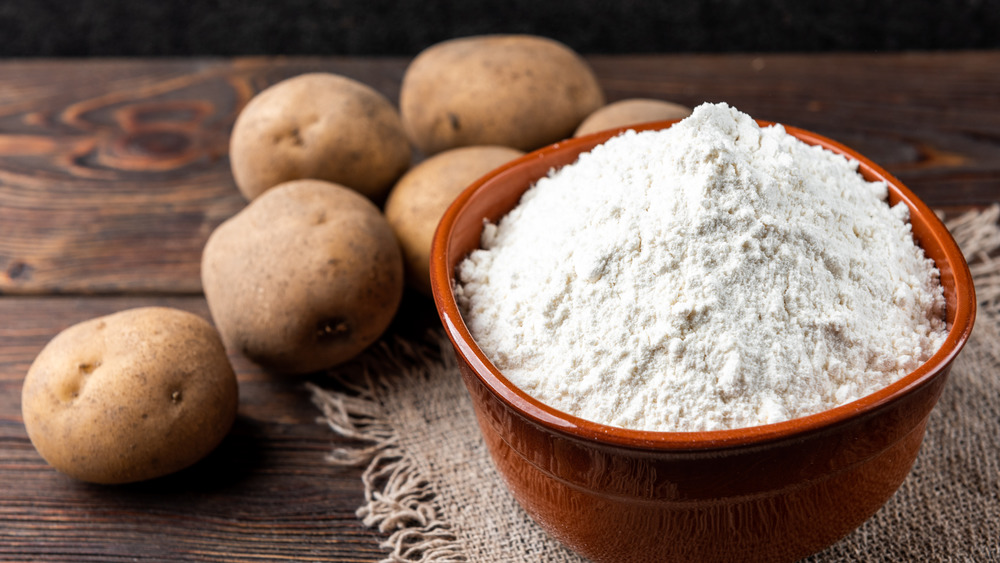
<point>156,136</point>
<point>19,270</point>
<point>157,144</point>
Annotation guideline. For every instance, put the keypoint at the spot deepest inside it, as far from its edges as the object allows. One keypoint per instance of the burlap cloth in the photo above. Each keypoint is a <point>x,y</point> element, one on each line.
<point>432,490</point>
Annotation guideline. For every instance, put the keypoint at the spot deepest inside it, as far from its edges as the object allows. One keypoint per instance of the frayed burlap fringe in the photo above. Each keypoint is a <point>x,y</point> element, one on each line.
<point>403,503</point>
<point>399,501</point>
<point>978,235</point>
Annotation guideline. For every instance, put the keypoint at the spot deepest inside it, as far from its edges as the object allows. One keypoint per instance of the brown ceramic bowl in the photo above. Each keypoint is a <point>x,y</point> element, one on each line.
<point>776,492</point>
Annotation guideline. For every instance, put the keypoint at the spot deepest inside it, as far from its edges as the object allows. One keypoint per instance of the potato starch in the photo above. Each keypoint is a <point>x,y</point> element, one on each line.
<point>712,275</point>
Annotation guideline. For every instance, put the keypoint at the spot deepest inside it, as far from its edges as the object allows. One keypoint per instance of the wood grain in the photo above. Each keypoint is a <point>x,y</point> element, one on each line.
<point>114,172</point>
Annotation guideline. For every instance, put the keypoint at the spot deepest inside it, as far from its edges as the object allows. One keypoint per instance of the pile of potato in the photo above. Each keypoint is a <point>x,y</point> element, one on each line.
<point>313,269</point>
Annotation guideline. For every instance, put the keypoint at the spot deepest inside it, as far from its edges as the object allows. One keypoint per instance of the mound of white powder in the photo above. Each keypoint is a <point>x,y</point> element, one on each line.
<point>713,275</point>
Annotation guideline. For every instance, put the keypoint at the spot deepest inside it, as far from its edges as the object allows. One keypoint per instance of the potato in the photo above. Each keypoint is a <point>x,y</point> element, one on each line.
<point>517,91</point>
<point>320,126</point>
<point>419,199</point>
<point>630,112</point>
<point>305,277</point>
<point>130,396</point>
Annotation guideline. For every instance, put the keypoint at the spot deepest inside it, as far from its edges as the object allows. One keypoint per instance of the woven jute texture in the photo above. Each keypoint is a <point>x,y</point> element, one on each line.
<point>432,491</point>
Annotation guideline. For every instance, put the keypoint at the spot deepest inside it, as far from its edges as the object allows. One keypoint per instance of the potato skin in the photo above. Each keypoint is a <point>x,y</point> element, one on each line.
<point>632,111</point>
<point>418,201</point>
<point>304,278</point>
<point>130,396</point>
<point>518,91</point>
<point>322,126</point>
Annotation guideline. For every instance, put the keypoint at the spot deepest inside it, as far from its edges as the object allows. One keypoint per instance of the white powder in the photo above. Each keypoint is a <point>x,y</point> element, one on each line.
<point>713,275</point>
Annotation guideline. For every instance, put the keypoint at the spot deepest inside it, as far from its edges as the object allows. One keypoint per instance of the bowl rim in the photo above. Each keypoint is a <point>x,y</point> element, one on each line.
<point>571,426</point>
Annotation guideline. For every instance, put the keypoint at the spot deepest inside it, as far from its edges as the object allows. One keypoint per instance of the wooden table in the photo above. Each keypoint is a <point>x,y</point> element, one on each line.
<point>114,172</point>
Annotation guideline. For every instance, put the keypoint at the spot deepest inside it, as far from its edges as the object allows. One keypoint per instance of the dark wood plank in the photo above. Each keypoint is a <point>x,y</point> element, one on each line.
<point>266,494</point>
<point>113,173</point>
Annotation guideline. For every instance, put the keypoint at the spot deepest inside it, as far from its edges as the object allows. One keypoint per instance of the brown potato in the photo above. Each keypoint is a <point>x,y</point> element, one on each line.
<point>320,126</point>
<point>130,396</point>
<point>305,277</point>
<point>630,112</point>
<point>419,199</point>
<point>517,91</point>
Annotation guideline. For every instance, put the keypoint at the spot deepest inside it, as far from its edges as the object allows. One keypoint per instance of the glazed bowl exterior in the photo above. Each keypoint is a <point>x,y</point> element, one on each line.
<point>776,492</point>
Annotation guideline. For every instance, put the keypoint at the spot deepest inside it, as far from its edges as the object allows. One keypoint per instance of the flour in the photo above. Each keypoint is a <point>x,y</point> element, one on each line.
<point>713,275</point>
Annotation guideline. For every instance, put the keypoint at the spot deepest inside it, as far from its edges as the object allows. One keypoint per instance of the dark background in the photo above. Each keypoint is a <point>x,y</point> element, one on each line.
<point>380,27</point>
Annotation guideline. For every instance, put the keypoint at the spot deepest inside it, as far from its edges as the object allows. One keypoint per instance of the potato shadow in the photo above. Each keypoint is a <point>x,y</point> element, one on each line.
<point>223,471</point>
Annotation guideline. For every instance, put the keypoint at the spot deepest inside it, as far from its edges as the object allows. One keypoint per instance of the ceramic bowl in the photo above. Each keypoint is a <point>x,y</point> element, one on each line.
<point>777,492</point>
